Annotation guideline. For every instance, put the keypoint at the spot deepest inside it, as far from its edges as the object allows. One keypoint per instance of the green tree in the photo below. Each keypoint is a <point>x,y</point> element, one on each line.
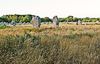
<point>27,18</point>
<point>9,20</point>
<point>92,20</point>
<point>3,19</point>
<point>62,19</point>
<point>85,19</point>
<point>15,19</point>
<point>70,18</point>
<point>47,19</point>
<point>75,19</point>
<point>21,21</point>
<point>42,20</point>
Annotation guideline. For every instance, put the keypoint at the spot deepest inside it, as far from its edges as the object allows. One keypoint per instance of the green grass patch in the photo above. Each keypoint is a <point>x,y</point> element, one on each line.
<point>72,29</point>
<point>97,24</point>
<point>39,29</point>
<point>4,27</point>
<point>34,29</point>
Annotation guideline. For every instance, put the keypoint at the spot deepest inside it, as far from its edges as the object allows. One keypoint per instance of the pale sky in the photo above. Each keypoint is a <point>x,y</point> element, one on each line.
<point>50,8</point>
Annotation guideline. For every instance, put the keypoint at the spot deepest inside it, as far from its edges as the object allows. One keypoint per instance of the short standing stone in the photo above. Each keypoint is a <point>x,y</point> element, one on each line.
<point>44,22</point>
<point>27,22</point>
<point>24,23</point>
<point>67,22</point>
<point>85,23</point>
<point>0,24</point>
<point>76,23</point>
<point>7,23</point>
<point>13,22</point>
<point>55,21</point>
<point>36,21</point>
<point>30,22</point>
<point>64,21</point>
<point>4,24</point>
<point>47,23</point>
<point>50,22</point>
<point>79,22</point>
<point>19,23</point>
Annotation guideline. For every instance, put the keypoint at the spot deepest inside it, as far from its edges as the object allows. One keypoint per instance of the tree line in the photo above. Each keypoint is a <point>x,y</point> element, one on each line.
<point>28,18</point>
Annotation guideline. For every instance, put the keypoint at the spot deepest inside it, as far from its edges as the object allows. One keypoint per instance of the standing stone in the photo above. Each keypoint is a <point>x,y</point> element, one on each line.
<point>79,22</point>
<point>85,23</point>
<point>44,22</point>
<point>64,21</point>
<point>36,21</point>
<point>76,23</point>
<point>24,23</point>
<point>19,23</point>
<point>47,23</point>
<point>30,22</point>
<point>27,22</point>
<point>13,22</point>
<point>50,22</point>
<point>55,21</point>
<point>67,22</point>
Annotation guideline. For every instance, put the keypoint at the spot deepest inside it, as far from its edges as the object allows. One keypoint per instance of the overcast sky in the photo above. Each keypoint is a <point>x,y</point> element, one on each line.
<point>50,8</point>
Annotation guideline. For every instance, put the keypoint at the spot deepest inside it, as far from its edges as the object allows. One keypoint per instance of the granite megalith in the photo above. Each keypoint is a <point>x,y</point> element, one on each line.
<point>13,22</point>
<point>79,22</point>
<point>76,23</point>
<point>36,22</point>
<point>55,21</point>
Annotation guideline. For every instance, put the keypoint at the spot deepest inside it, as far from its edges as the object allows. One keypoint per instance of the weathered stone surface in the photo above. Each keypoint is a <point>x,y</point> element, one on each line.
<point>19,23</point>
<point>36,22</point>
<point>85,23</point>
<point>27,22</point>
<point>67,22</point>
<point>79,22</point>
<point>76,23</point>
<point>47,23</point>
<point>44,22</point>
<point>13,22</point>
<point>24,23</point>
<point>50,22</point>
<point>55,21</point>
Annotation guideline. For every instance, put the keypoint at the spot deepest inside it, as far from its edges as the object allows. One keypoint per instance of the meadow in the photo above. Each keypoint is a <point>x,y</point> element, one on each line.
<point>66,44</point>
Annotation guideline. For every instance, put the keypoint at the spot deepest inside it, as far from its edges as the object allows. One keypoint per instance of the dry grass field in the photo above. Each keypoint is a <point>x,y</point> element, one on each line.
<point>66,44</point>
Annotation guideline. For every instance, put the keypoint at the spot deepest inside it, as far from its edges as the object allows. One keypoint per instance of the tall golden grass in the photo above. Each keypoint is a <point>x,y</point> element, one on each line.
<point>69,44</point>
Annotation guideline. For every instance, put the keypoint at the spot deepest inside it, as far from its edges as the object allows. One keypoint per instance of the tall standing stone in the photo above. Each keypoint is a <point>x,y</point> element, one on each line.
<point>79,22</point>
<point>47,23</point>
<point>55,21</point>
<point>36,21</point>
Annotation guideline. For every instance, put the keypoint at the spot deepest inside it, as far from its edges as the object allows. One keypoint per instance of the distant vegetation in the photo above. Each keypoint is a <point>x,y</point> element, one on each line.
<point>21,18</point>
<point>28,17</point>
